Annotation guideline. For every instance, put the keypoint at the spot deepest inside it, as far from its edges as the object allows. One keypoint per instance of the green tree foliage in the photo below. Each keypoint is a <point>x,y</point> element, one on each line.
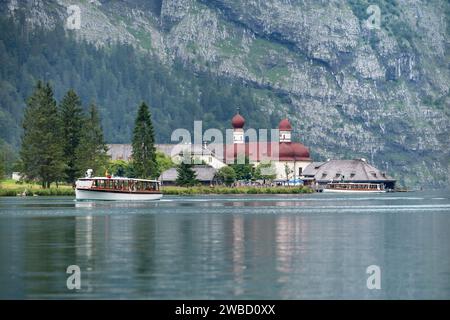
<point>186,176</point>
<point>226,175</point>
<point>72,118</point>
<point>121,168</point>
<point>42,145</point>
<point>144,152</point>
<point>243,171</point>
<point>8,156</point>
<point>163,162</point>
<point>2,167</point>
<point>91,150</point>
<point>287,171</point>
<point>265,171</point>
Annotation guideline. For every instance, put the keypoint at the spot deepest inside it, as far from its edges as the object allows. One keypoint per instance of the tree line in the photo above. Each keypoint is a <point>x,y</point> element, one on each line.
<point>61,141</point>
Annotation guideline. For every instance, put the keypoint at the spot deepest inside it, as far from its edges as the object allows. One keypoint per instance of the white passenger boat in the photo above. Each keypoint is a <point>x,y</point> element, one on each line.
<point>110,188</point>
<point>353,187</point>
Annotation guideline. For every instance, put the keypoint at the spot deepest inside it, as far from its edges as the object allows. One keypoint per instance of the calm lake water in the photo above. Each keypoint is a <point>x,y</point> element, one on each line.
<point>228,247</point>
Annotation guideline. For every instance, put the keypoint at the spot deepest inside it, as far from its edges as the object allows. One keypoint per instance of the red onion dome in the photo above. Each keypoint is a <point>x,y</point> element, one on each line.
<point>299,150</point>
<point>285,151</point>
<point>238,121</point>
<point>285,125</point>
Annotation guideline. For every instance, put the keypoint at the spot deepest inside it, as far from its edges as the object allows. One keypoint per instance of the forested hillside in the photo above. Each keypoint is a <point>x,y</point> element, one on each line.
<point>117,78</point>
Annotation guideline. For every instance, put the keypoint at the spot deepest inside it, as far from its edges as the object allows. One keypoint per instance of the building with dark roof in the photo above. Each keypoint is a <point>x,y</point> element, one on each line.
<point>356,170</point>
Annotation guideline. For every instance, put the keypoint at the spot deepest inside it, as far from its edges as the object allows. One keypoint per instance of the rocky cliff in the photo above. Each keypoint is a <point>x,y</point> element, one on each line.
<point>357,79</point>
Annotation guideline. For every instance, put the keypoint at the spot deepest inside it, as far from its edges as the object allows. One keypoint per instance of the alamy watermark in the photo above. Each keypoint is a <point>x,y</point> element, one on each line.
<point>73,21</point>
<point>374,19</point>
<point>374,279</point>
<point>74,280</point>
<point>237,147</point>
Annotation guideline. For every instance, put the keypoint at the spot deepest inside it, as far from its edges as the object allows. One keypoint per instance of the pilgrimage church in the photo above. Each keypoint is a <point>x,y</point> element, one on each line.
<point>287,159</point>
<point>290,161</point>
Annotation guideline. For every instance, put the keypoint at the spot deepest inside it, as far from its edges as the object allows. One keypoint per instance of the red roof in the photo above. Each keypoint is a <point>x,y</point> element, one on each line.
<point>285,125</point>
<point>238,121</point>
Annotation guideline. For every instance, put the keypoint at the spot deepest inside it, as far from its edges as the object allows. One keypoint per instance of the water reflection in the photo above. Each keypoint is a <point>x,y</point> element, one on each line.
<point>226,249</point>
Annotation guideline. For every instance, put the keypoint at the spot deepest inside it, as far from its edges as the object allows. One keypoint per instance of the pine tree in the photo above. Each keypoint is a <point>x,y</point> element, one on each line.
<point>186,176</point>
<point>71,114</point>
<point>144,151</point>
<point>42,145</point>
<point>91,152</point>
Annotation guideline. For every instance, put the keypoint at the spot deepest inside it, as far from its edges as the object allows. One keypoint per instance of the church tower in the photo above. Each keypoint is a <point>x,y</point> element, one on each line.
<point>238,123</point>
<point>285,130</point>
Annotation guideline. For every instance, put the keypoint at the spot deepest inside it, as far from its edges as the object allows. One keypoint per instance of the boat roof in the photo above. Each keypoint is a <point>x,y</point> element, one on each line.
<point>336,182</point>
<point>118,178</point>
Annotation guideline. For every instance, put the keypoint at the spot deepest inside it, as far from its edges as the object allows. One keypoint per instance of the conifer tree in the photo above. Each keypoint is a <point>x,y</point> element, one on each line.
<point>71,114</point>
<point>186,176</point>
<point>91,152</point>
<point>144,152</point>
<point>42,145</point>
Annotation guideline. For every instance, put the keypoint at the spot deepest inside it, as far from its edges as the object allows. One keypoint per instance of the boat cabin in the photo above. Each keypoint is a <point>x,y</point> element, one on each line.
<point>119,185</point>
<point>355,186</point>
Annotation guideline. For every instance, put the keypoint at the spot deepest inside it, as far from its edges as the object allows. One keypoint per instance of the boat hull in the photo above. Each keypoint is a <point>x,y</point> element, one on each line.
<point>353,191</point>
<point>81,194</point>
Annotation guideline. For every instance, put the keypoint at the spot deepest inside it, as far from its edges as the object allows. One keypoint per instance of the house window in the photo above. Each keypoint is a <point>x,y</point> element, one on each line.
<point>300,170</point>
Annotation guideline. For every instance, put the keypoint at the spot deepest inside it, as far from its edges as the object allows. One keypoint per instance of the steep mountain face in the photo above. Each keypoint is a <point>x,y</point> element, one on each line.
<point>351,86</point>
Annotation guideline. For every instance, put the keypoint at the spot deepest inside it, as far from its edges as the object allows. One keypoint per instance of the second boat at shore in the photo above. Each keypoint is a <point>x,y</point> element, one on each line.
<point>347,187</point>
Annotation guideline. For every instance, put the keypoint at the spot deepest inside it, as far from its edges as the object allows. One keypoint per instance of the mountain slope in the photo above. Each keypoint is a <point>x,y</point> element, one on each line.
<point>350,91</point>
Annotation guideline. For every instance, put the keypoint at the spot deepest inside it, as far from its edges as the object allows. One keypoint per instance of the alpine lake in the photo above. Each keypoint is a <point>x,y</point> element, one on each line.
<point>305,246</point>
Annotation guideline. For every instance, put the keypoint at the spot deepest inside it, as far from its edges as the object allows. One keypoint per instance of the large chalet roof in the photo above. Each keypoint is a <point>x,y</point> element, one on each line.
<point>347,170</point>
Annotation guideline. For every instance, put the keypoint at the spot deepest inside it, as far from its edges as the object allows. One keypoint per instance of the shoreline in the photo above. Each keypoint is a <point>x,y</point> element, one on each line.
<point>30,191</point>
